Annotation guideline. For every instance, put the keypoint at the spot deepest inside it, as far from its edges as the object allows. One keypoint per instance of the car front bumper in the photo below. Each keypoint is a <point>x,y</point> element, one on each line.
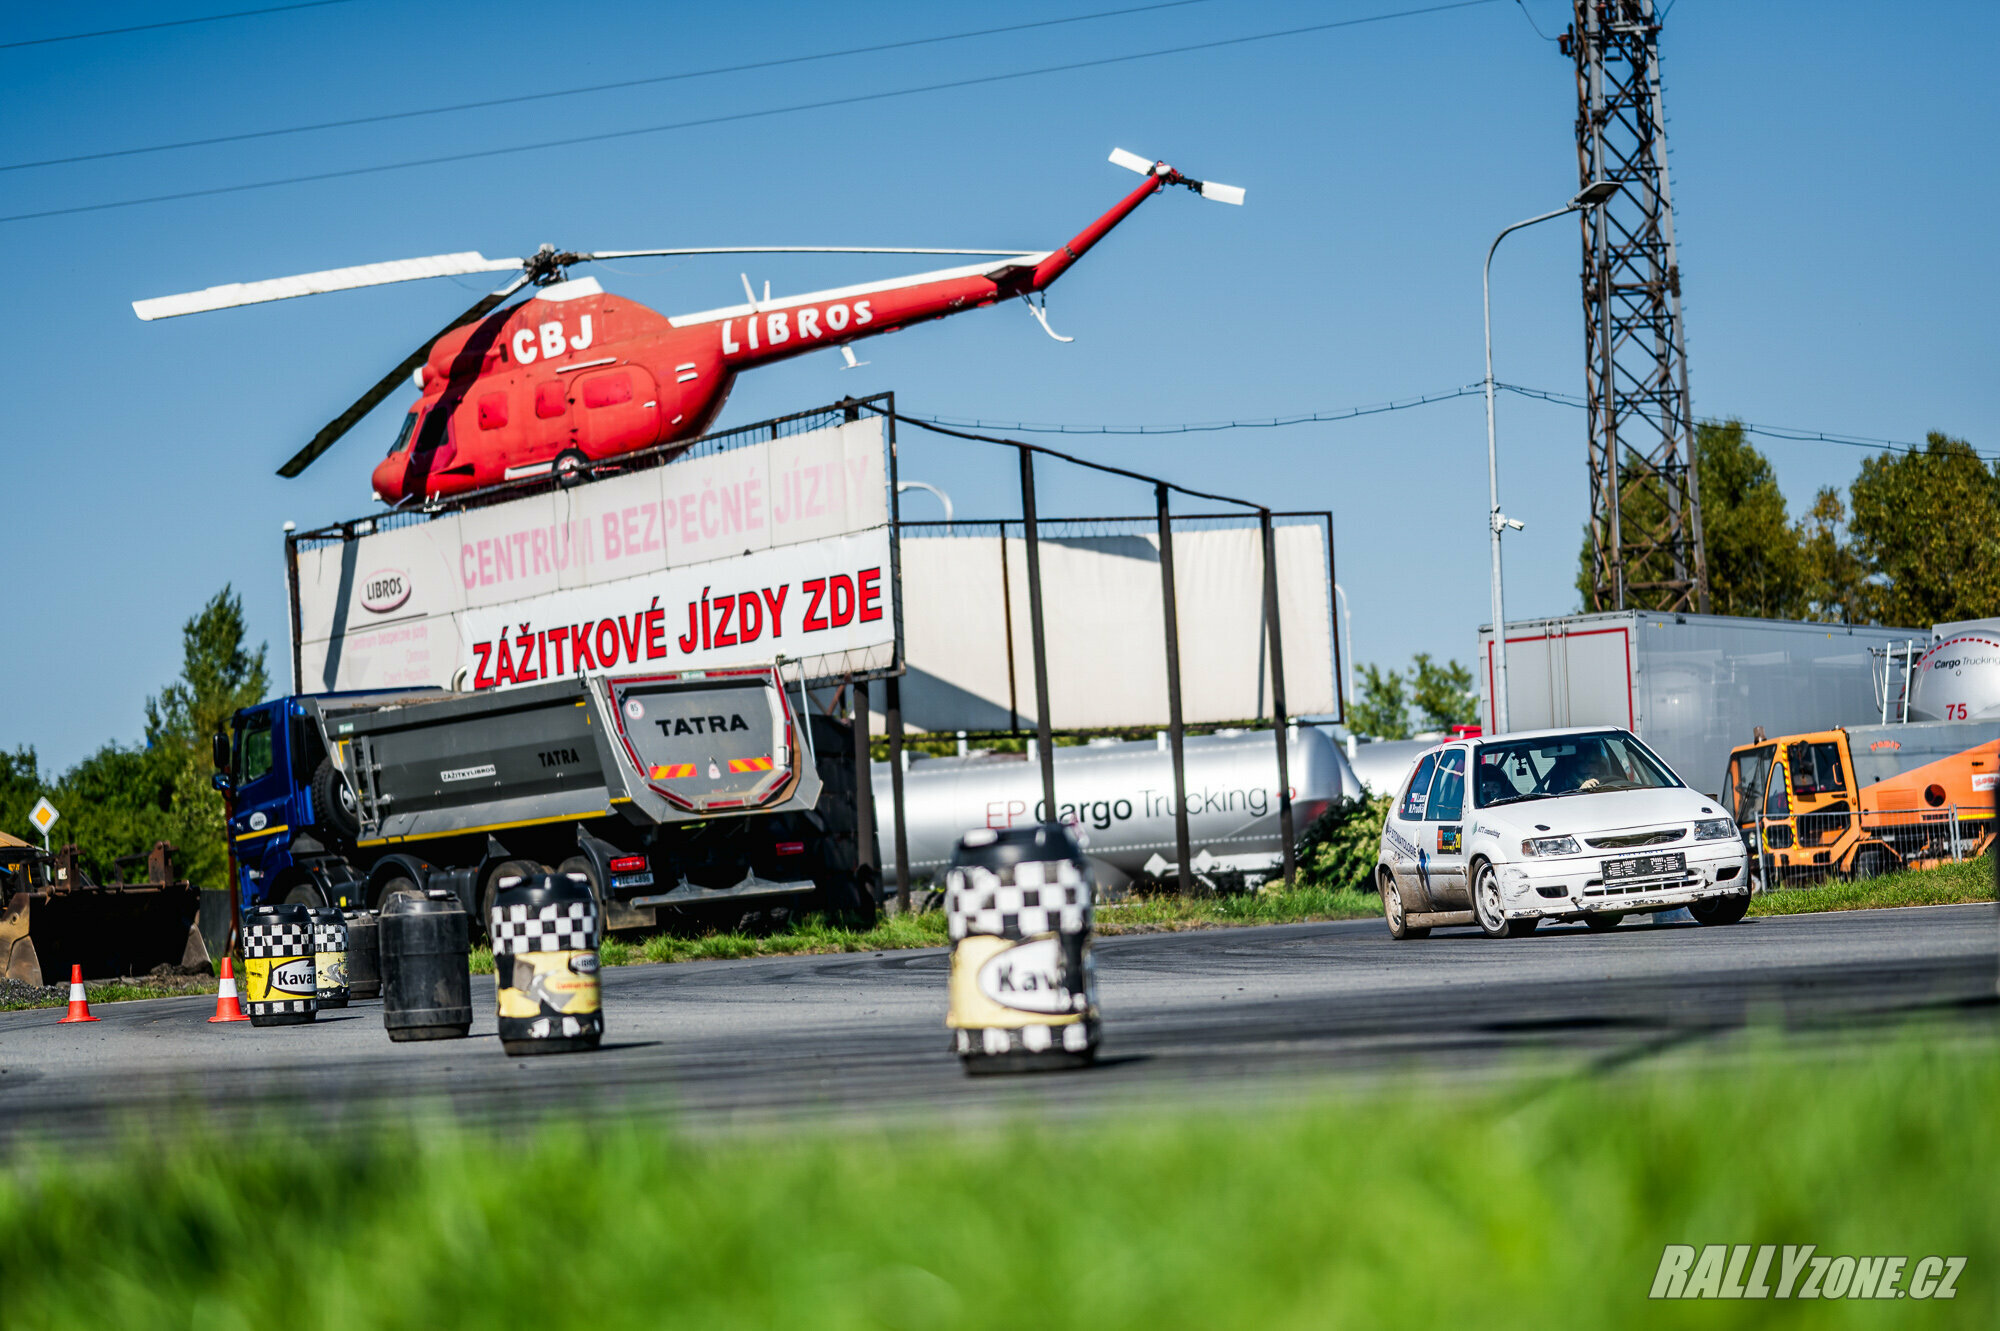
<point>1573,887</point>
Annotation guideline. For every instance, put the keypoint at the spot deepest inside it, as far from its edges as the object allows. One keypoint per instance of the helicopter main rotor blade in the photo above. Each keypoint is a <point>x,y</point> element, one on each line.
<point>313,284</point>
<point>794,249</point>
<point>371,399</point>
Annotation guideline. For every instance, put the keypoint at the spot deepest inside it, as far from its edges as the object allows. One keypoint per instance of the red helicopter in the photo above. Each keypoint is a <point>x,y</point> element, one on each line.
<point>574,377</point>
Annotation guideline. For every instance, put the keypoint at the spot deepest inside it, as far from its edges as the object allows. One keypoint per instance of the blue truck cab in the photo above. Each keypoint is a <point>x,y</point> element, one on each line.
<point>288,807</point>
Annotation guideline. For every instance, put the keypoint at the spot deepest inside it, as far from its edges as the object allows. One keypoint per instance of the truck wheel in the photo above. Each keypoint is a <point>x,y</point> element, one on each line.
<point>1602,924</point>
<point>396,887</point>
<point>581,864</point>
<point>1720,910</point>
<point>305,894</point>
<point>1393,912</point>
<point>505,869</point>
<point>1872,863</point>
<point>333,802</point>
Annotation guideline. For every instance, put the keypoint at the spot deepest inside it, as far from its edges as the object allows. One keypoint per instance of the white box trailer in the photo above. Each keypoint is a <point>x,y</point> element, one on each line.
<point>1691,686</point>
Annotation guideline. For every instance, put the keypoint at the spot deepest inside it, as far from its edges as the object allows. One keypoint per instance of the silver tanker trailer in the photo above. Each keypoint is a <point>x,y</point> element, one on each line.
<point>1120,797</point>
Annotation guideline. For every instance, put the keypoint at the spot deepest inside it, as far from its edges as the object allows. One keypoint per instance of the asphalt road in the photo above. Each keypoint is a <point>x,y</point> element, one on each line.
<point>1217,1016</point>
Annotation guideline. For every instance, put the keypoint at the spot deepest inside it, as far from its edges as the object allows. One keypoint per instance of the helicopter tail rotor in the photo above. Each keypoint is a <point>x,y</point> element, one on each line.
<point>1208,189</point>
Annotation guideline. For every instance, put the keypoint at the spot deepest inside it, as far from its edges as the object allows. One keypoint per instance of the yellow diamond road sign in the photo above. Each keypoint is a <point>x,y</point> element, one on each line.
<point>44,816</point>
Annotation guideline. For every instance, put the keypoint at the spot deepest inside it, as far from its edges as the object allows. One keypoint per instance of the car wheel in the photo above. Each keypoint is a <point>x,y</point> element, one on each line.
<point>1603,924</point>
<point>571,467</point>
<point>1392,911</point>
<point>1721,910</point>
<point>1486,908</point>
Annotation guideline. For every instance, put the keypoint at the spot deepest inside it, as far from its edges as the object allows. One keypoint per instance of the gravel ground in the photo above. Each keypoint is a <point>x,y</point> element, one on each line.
<point>13,991</point>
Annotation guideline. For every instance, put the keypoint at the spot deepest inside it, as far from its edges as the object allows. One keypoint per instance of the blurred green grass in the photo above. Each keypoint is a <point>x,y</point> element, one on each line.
<point>1530,1203</point>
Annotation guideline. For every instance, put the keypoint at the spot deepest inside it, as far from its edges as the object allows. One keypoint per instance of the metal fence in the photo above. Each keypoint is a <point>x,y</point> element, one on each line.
<point>1815,848</point>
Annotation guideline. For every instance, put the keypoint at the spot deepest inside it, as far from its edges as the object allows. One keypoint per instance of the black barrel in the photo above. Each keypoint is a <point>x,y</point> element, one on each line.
<point>364,955</point>
<point>330,956</point>
<point>544,932</point>
<point>1018,906</point>
<point>280,987</point>
<point>426,967</point>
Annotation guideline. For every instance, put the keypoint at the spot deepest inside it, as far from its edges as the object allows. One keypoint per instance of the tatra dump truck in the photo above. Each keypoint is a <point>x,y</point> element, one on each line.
<point>1864,800</point>
<point>691,797</point>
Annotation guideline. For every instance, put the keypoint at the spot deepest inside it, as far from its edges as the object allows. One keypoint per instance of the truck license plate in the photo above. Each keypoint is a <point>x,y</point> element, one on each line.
<point>1644,866</point>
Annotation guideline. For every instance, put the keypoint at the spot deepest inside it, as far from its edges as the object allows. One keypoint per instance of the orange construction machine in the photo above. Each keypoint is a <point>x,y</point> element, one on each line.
<point>1859,801</point>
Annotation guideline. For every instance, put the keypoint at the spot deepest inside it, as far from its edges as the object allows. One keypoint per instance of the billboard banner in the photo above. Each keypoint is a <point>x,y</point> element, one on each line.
<point>969,653</point>
<point>780,547</point>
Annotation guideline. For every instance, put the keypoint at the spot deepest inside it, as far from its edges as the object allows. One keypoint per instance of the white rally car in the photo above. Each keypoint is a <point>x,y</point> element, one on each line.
<point>1584,824</point>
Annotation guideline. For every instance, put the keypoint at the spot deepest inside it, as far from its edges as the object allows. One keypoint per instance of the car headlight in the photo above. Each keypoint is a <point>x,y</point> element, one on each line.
<point>1715,829</point>
<point>1550,845</point>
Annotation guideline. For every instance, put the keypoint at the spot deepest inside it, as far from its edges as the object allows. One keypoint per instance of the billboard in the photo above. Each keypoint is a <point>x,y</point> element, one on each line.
<point>779,547</point>
<point>969,654</point>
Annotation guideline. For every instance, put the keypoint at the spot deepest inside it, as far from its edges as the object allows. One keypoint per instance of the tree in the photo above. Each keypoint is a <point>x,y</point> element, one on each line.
<point>1836,590</point>
<point>1443,693</point>
<point>123,798</point>
<point>1926,529</point>
<point>118,802</point>
<point>1383,707</point>
<point>218,676</point>
<point>1756,564</point>
<point>1760,561</point>
<point>20,787</point>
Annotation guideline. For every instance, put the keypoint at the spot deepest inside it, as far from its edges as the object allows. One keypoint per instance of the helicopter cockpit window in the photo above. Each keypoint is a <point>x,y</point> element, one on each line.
<point>403,435</point>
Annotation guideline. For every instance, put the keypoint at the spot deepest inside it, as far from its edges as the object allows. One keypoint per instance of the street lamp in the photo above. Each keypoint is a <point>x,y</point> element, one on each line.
<point>1592,195</point>
<point>943,498</point>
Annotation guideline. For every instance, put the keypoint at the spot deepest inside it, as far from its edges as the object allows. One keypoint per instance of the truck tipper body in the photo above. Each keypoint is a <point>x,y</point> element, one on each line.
<point>692,794</point>
<point>1864,800</point>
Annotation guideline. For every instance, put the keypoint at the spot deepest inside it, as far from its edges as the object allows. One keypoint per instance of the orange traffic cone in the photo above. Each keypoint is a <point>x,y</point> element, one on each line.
<point>226,1006</point>
<point>79,1005</point>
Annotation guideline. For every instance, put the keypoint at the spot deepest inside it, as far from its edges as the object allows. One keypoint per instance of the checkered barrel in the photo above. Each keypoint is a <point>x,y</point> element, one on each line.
<point>1018,907</point>
<point>544,931</point>
<point>280,982</point>
<point>329,928</point>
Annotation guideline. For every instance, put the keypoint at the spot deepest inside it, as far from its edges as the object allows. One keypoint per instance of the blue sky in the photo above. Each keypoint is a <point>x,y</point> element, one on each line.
<point>1832,170</point>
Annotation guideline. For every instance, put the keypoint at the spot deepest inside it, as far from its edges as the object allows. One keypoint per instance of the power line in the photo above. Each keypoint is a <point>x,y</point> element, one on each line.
<point>855,99</point>
<point>1790,434</point>
<point>169,23</point>
<point>589,88</point>
<point>1205,427</point>
<point>1531,21</point>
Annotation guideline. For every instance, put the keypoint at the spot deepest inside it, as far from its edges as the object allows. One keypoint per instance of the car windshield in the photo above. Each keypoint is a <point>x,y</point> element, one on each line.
<point>1566,765</point>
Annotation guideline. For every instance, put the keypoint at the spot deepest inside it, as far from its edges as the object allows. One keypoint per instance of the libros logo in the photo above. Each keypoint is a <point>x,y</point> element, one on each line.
<point>385,590</point>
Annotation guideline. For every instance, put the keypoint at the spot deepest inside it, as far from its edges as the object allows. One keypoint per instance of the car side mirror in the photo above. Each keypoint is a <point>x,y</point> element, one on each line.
<point>220,780</point>
<point>219,751</point>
